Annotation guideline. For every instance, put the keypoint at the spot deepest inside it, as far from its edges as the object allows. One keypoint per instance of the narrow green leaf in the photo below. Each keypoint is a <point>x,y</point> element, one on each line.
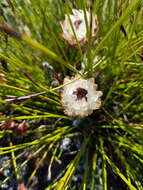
<point>49,52</point>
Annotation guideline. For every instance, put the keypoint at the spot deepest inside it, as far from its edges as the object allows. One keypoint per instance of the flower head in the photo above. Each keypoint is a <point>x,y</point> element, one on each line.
<point>79,27</point>
<point>80,97</point>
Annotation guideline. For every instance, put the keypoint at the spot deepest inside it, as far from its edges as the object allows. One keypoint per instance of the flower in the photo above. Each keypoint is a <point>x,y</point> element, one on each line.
<point>79,97</point>
<point>79,26</point>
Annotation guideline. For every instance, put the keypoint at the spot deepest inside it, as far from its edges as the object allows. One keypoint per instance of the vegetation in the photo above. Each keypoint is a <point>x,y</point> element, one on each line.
<point>40,146</point>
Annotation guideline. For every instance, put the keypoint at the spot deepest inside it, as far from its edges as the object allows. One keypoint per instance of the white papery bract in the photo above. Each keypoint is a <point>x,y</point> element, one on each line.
<point>79,97</point>
<point>79,26</point>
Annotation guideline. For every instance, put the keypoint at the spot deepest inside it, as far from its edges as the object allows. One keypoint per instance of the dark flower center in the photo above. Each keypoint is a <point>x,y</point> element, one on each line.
<point>80,93</point>
<point>77,23</point>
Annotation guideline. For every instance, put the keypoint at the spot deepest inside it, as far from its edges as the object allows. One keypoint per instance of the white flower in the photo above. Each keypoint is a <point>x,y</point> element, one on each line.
<point>79,27</point>
<point>80,97</point>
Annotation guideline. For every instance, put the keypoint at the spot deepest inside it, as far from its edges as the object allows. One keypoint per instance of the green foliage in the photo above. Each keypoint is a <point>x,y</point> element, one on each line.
<point>108,145</point>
